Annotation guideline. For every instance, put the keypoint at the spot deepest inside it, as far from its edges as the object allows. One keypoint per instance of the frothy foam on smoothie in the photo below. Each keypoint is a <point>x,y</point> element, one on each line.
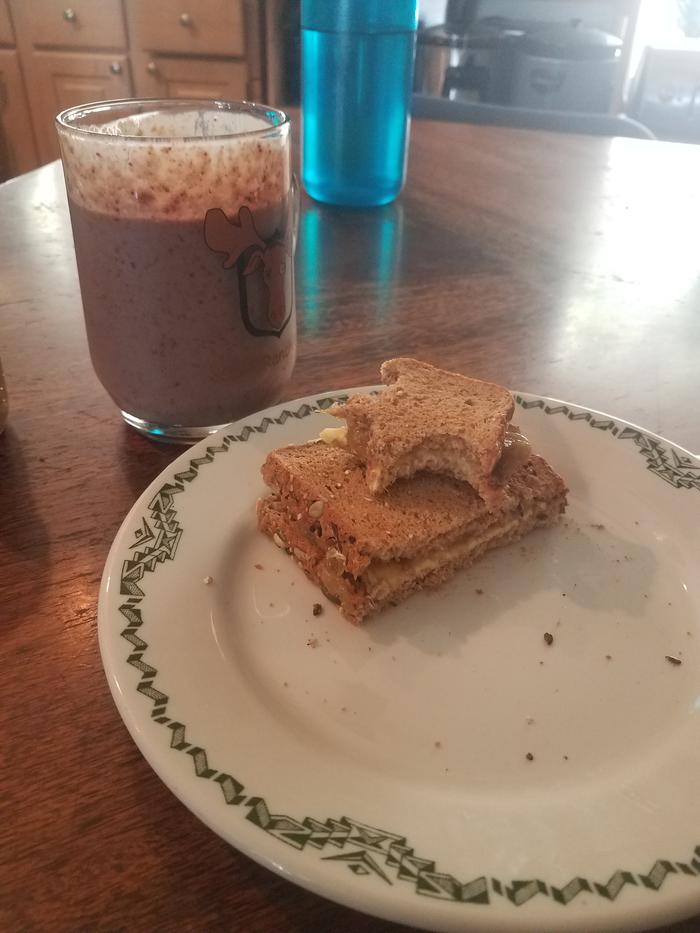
<point>165,166</point>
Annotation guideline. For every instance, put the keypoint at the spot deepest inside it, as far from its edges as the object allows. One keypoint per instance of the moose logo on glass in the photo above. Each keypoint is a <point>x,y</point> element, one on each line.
<point>263,266</point>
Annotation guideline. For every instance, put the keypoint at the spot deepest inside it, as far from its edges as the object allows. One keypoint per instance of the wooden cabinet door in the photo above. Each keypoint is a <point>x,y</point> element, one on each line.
<point>187,27</point>
<point>7,34</point>
<point>162,76</point>
<point>92,24</point>
<point>17,149</point>
<point>65,79</point>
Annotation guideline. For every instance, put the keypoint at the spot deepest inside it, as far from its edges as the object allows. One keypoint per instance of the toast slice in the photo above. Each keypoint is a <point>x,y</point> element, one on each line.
<point>366,552</point>
<point>428,419</point>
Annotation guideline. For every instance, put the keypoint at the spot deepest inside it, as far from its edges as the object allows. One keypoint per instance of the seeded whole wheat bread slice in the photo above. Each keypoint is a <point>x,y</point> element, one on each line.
<point>431,419</point>
<point>321,512</point>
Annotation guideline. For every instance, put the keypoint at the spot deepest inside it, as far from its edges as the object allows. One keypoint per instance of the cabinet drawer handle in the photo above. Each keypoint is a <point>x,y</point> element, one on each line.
<point>116,68</point>
<point>69,15</point>
<point>152,68</point>
<point>185,19</point>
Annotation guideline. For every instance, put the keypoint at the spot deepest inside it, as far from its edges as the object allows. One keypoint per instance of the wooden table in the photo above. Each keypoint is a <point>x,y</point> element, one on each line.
<point>559,265</point>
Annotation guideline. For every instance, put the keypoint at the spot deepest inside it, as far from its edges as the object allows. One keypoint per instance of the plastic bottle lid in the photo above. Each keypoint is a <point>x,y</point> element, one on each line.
<point>358,15</point>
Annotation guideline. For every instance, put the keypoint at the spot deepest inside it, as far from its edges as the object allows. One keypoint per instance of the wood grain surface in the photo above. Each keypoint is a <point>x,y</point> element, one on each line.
<point>559,265</point>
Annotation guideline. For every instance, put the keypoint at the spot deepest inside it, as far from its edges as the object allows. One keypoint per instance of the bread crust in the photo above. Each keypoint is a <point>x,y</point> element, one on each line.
<point>320,511</point>
<point>429,419</point>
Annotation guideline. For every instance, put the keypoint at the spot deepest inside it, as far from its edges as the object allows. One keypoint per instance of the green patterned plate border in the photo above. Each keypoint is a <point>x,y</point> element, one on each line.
<point>364,849</point>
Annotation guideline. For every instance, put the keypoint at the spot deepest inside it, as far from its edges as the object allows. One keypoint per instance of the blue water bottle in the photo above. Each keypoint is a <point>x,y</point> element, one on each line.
<point>357,73</point>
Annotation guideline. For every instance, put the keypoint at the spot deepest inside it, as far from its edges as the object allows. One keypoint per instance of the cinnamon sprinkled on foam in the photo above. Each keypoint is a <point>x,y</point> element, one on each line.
<point>174,178</point>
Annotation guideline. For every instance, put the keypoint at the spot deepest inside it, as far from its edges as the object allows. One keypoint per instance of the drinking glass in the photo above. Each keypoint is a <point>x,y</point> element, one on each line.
<point>184,215</point>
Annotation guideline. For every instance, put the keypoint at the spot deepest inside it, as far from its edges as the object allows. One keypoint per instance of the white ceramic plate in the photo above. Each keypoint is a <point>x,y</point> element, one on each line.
<point>386,766</point>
